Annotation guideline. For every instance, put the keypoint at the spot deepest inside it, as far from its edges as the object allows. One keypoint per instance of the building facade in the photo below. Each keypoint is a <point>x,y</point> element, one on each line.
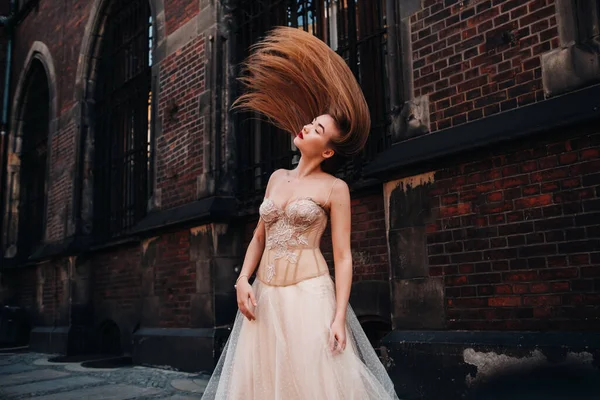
<point>129,188</point>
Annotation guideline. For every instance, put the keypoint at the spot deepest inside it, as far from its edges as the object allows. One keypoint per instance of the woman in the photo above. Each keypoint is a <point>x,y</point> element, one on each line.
<point>295,336</point>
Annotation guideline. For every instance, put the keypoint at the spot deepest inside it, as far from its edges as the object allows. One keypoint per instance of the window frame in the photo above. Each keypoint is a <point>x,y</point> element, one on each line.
<point>31,229</point>
<point>123,121</point>
<point>254,169</point>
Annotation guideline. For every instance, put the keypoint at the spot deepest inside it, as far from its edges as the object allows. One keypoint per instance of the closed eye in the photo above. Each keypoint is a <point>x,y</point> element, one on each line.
<point>319,125</point>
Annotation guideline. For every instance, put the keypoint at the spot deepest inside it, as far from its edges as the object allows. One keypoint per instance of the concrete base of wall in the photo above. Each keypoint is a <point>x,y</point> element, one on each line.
<point>493,365</point>
<point>188,350</point>
<point>48,339</point>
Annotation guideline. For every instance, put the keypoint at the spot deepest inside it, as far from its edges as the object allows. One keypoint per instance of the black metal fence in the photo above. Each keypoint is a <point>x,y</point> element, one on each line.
<point>122,128</point>
<point>356,30</point>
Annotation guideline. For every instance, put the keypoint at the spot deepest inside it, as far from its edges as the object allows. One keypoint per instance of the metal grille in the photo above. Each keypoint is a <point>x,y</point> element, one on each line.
<point>36,121</point>
<point>587,15</point>
<point>356,30</point>
<point>122,125</point>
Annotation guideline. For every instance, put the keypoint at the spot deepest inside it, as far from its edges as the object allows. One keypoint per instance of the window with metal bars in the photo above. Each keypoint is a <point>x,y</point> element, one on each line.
<point>35,128</point>
<point>123,116</point>
<point>587,15</point>
<point>356,29</point>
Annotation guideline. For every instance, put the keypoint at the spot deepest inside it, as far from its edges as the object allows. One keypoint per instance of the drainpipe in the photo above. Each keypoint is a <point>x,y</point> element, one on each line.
<point>8,23</point>
<point>392,34</point>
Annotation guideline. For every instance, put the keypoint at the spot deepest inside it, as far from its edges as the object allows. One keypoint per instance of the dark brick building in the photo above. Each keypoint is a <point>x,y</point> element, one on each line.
<point>129,190</point>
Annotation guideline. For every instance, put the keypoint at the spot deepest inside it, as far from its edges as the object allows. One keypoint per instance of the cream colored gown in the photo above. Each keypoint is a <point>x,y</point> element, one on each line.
<point>284,353</point>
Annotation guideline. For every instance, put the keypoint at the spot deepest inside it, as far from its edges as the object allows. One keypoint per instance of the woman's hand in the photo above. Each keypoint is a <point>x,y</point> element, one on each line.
<point>337,336</point>
<point>245,298</point>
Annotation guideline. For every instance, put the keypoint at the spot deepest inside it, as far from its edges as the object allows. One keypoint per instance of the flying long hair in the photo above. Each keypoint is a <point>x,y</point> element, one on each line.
<point>291,77</point>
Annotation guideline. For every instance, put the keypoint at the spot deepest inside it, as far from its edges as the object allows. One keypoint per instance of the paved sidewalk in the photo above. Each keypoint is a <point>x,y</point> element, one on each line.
<point>31,375</point>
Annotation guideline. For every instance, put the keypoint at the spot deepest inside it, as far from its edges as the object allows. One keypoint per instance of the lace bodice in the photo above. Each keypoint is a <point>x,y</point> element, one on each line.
<point>293,235</point>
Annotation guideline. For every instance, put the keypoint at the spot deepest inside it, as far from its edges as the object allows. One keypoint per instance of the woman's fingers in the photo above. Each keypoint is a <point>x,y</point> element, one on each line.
<point>250,311</point>
<point>337,342</point>
<point>252,298</point>
<point>331,341</point>
<point>246,302</point>
<point>247,311</point>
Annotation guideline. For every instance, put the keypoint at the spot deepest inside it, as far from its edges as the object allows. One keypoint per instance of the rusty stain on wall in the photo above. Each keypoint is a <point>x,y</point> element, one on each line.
<point>404,184</point>
<point>215,229</point>
<point>146,244</point>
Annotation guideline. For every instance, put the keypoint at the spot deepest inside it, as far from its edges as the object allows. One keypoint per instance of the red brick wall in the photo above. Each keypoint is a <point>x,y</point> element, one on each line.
<point>175,279</point>
<point>60,187</point>
<point>182,81</point>
<point>368,239</point>
<point>465,80</point>
<point>517,237</point>
<point>179,148</point>
<point>117,276</point>
<point>178,12</point>
<point>52,292</point>
<point>65,24</point>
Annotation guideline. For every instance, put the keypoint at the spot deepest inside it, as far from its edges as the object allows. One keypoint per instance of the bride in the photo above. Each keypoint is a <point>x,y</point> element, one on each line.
<point>295,336</point>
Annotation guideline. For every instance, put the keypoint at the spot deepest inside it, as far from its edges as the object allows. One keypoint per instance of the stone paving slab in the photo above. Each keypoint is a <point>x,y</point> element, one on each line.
<point>31,376</point>
<point>47,386</point>
<point>180,397</point>
<point>112,392</point>
<point>15,369</point>
<point>190,385</point>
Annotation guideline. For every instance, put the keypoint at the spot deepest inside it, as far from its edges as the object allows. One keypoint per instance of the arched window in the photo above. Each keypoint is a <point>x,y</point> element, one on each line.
<point>122,118</point>
<point>356,29</point>
<point>34,150</point>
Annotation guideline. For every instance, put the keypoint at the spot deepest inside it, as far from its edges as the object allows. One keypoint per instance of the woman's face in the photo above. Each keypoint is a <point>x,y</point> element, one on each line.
<point>314,138</point>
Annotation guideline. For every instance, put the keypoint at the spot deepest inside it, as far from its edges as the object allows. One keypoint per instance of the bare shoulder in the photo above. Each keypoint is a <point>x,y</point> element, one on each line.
<point>340,192</point>
<point>274,178</point>
<point>277,174</point>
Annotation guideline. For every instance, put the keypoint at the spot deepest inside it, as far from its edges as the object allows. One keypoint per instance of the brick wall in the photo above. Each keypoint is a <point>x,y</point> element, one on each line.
<point>65,24</point>
<point>179,149</point>
<point>175,279</point>
<point>368,239</point>
<point>117,277</point>
<point>60,185</point>
<point>52,290</point>
<point>517,236</point>
<point>467,76</point>
<point>178,12</point>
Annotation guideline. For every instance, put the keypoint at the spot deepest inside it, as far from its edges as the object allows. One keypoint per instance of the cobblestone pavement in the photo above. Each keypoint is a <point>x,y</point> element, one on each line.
<point>31,375</point>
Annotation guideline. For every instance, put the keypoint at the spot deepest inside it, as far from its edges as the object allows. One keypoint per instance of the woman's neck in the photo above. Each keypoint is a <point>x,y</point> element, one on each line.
<point>307,167</point>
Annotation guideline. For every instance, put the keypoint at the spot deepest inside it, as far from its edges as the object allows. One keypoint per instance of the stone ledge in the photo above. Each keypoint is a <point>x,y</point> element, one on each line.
<point>210,209</point>
<point>569,68</point>
<point>558,112</point>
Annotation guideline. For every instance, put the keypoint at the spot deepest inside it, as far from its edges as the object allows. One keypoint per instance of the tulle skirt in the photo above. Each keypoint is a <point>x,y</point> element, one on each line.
<point>284,353</point>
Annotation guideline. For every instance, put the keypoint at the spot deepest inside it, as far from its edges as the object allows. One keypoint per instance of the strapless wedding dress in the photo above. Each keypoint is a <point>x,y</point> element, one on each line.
<point>284,354</point>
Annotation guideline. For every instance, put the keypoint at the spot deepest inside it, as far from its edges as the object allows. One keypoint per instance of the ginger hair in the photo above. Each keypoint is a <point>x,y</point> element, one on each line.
<point>291,77</point>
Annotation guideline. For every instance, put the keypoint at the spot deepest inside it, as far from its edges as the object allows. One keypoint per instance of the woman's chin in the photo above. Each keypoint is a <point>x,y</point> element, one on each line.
<point>297,141</point>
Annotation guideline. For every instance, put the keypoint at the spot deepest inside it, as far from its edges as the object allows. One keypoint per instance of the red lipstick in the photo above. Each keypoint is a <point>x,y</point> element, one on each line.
<point>300,135</point>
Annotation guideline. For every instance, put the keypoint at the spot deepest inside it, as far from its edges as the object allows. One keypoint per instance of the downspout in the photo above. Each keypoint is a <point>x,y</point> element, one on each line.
<point>392,49</point>
<point>7,22</point>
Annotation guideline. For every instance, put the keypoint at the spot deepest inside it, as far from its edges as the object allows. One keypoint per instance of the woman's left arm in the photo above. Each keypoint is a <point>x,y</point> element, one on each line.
<point>341,222</point>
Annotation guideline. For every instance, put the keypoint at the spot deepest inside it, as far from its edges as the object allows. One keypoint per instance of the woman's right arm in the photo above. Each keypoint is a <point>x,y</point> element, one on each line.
<point>245,294</point>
